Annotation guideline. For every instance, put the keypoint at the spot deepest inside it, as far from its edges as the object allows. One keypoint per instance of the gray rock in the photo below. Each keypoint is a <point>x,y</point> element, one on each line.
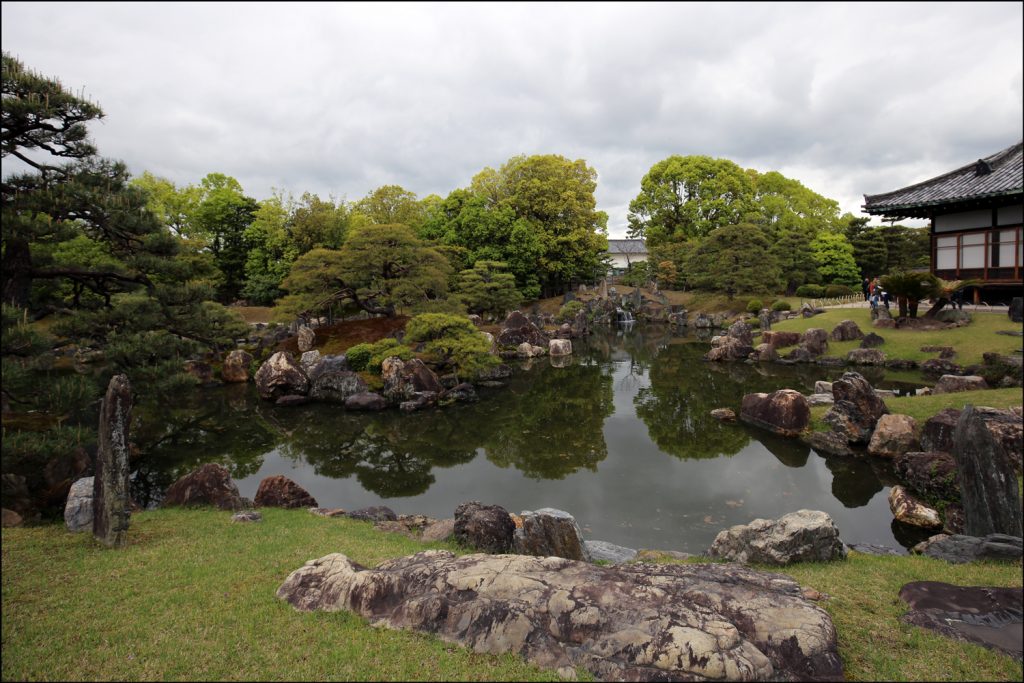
<point>871,341</point>
<point>856,408</point>
<point>846,330</point>
<point>930,473</point>
<point>376,513</point>
<point>306,339</point>
<point>815,340</point>
<point>960,548</point>
<point>331,380</point>
<point>1016,309</point>
<point>723,414</point>
<point>559,347</point>
<point>247,516</point>
<point>440,530</point>
<point>517,329</point>
<point>950,384</point>
<point>110,494</point>
<point>829,443</point>
<point>865,357</point>
<point>820,400</point>
<point>549,533</point>
<point>935,368</point>
<point>631,622</point>
<point>308,360</point>
<point>279,376</point>
<point>822,387</point>
<point>609,552</point>
<point>801,536</point>
<point>210,484</point>
<point>236,366</point>
<point>870,549</point>
<point>366,400</point>
<point>408,380</point>
<point>279,491</point>
<point>484,527</point>
<point>78,509</point>
<point>988,482</point>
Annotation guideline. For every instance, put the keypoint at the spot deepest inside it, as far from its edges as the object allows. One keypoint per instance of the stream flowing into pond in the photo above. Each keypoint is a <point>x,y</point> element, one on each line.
<point>621,438</point>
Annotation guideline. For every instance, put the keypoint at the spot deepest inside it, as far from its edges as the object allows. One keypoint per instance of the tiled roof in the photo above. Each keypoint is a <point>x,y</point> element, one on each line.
<point>627,247</point>
<point>965,183</point>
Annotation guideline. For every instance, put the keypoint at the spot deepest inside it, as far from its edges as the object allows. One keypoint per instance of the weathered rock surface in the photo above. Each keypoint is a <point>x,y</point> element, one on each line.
<point>723,414</point>
<point>820,400</point>
<point>865,357</point>
<point>441,530</point>
<point>831,443</point>
<point>308,361</point>
<point>11,519</point>
<point>856,408</point>
<point>930,473</point>
<point>331,380</point>
<point>211,484</point>
<point>603,551</point>
<point>871,341</point>
<point>780,339</point>
<point>376,513</point>
<point>909,510</point>
<point>801,536</point>
<point>247,516</point>
<point>988,482</point>
<point>871,549</point>
<point>815,340</point>
<point>725,348</point>
<point>484,527</point>
<point>236,366</point>
<point>935,368</point>
<point>633,622</point>
<point>765,353</point>
<point>279,376</point>
<point>951,384</point>
<point>987,615</point>
<point>894,434</point>
<point>403,380</point>
<point>960,549</point>
<point>846,330</point>
<point>822,387</point>
<point>549,532</point>
<point>110,493</point>
<point>517,329</point>
<point>1006,427</point>
<point>407,525</point>
<point>742,332</point>
<point>328,512</point>
<point>559,347</point>
<point>306,339</point>
<point>366,400</point>
<point>279,491</point>
<point>78,509</point>
<point>783,412</point>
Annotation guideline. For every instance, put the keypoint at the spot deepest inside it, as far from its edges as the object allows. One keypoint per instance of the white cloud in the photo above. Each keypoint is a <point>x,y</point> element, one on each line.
<point>339,99</point>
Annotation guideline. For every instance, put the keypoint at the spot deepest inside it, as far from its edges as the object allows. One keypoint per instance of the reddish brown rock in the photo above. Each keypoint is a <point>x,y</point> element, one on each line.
<point>279,491</point>
<point>784,411</point>
<point>931,474</point>
<point>951,384</point>
<point>11,519</point>
<point>894,435</point>
<point>815,340</point>
<point>856,409</point>
<point>484,527</point>
<point>211,484</point>
<point>780,339</point>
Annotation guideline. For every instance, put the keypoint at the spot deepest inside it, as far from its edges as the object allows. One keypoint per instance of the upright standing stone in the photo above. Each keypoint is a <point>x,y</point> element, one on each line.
<point>988,483</point>
<point>110,485</point>
<point>1016,310</point>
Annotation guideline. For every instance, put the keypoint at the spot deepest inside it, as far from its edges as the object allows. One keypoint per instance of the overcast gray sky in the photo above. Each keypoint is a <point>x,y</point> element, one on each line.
<point>342,98</point>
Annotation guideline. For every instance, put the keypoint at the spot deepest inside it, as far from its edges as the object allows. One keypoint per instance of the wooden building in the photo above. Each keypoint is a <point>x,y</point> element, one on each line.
<point>976,214</point>
<point>625,253</point>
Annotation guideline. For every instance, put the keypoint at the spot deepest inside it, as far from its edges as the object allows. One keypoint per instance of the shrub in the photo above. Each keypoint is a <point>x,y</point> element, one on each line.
<point>569,311</point>
<point>838,290</point>
<point>370,356</point>
<point>451,341</point>
<point>781,306</point>
<point>754,306</point>
<point>755,323</point>
<point>810,291</point>
<point>430,326</point>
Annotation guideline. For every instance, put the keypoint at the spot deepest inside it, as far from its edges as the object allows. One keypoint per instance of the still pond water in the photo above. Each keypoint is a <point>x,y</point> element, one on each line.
<point>621,438</point>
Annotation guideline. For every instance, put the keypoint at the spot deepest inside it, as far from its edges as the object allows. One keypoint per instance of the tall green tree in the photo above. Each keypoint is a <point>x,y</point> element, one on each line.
<point>795,257</point>
<point>685,197</point>
<point>488,289</point>
<point>389,205</point>
<point>318,222</point>
<point>734,259</point>
<point>221,217</point>
<point>834,256</point>
<point>270,251</point>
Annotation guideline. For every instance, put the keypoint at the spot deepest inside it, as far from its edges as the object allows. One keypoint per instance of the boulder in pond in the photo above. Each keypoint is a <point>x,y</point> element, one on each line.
<point>909,510</point>
<point>210,484</point>
<point>856,409</point>
<point>801,536</point>
<point>236,366</point>
<point>828,443</point>
<point>278,491</point>
<point>723,414</point>
<point>484,527</point>
<point>783,412</point>
<point>366,400</point>
<point>633,622</point>
<point>517,329</point>
<point>332,381</point>
<point>989,616</point>
<point>549,532</point>
<point>930,473</point>
<point>894,434</point>
<point>559,347</point>
<point>404,380</point>
<point>280,376</point>
<point>765,353</point>
<point>960,549</point>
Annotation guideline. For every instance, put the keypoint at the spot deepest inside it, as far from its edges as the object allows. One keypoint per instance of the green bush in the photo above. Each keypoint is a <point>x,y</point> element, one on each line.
<point>755,323</point>
<point>810,291</point>
<point>370,356</point>
<point>838,290</point>
<point>430,326</point>
<point>567,312</point>
<point>754,306</point>
<point>781,306</point>
<point>451,342</point>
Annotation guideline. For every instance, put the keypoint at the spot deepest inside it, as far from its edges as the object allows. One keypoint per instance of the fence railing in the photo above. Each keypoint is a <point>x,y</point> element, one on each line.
<point>824,302</point>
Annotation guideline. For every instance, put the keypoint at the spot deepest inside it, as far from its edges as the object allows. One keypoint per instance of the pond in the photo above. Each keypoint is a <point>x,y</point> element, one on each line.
<point>621,438</point>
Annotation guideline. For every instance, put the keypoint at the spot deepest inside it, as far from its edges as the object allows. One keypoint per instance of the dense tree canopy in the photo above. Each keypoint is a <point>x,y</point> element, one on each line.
<point>734,259</point>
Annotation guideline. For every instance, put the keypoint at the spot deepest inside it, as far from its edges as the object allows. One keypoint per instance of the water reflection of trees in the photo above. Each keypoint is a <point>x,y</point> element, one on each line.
<point>202,426</point>
<point>553,425</point>
<point>684,389</point>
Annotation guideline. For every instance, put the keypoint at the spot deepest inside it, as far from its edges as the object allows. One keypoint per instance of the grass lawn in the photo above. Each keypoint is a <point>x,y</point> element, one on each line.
<point>970,342</point>
<point>192,598</point>
<point>923,407</point>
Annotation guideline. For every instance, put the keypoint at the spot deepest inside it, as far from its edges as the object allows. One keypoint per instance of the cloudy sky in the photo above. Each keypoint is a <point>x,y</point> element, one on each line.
<point>850,99</point>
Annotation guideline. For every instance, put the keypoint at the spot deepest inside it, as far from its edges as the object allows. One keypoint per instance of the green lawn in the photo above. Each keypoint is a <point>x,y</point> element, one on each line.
<point>192,598</point>
<point>923,407</point>
<point>970,341</point>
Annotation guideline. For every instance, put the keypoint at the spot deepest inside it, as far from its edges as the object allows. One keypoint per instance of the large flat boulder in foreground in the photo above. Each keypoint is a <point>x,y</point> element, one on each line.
<point>635,622</point>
